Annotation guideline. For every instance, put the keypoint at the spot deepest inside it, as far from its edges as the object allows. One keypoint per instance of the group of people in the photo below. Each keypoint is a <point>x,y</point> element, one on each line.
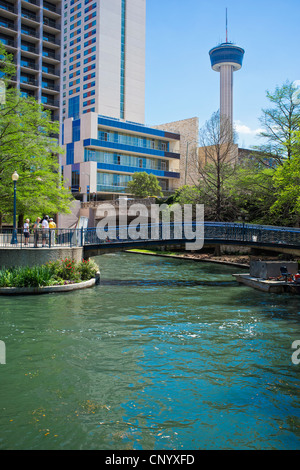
<point>40,226</point>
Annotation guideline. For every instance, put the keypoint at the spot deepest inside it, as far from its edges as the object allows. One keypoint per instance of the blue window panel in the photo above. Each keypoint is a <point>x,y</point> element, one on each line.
<point>74,104</point>
<point>136,128</point>
<point>70,154</point>
<point>76,130</point>
<point>132,169</point>
<point>227,53</point>
<point>129,148</point>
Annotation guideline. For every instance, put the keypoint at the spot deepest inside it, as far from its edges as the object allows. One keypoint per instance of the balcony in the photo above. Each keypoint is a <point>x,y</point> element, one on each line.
<point>7,41</point>
<point>26,80</point>
<point>6,23</point>
<point>51,7</point>
<point>51,39</point>
<point>51,23</point>
<point>50,86</point>
<point>28,64</point>
<point>7,6</point>
<point>48,68</point>
<point>27,31</point>
<point>29,15</point>
<point>50,54</point>
<point>32,2</point>
<point>28,47</point>
<point>49,101</point>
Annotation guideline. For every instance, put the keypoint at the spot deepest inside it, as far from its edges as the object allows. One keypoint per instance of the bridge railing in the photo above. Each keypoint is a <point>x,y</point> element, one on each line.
<point>10,238</point>
<point>250,234</point>
<point>216,232</point>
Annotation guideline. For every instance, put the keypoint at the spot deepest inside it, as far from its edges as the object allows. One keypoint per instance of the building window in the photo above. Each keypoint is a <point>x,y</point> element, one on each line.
<point>75,179</point>
<point>74,107</point>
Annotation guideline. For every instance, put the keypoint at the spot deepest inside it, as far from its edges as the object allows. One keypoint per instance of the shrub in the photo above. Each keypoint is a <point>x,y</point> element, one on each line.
<point>25,277</point>
<point>53,273</point>
<point>87,269</point>
<point>66,269</point>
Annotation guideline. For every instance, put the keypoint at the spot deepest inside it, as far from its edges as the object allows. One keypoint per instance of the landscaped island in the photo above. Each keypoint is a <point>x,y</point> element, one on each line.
<point>58,273</point>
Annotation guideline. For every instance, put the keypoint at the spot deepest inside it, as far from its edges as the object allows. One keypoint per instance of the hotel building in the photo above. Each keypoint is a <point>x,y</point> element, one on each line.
<point>85,61</point>
<point>103,103</point>
<point>31,32</point>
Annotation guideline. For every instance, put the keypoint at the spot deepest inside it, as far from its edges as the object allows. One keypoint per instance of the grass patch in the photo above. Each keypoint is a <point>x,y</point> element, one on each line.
<point>156,252</point>
<point>55,273</point>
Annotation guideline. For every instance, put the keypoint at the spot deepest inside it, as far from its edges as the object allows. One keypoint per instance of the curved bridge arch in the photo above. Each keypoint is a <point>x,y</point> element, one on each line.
<point>215,233</point>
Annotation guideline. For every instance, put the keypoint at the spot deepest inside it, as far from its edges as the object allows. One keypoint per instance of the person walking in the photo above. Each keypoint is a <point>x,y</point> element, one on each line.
<point>52,227</point>
<point>37,228</point>
<point>26,232</point>
<point>45,229</point>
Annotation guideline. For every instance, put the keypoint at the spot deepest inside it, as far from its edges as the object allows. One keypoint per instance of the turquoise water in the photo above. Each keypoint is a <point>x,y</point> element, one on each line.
<point>164,354</point>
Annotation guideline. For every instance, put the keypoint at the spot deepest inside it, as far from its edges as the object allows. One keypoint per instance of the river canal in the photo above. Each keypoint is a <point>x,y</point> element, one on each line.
<point>164,354</point>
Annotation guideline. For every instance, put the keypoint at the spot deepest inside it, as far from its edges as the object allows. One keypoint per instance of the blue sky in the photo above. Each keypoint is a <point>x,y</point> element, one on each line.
<point>180,83</point>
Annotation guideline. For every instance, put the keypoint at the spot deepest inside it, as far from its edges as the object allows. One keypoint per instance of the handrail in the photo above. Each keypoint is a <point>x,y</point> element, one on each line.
<point>214,232</point>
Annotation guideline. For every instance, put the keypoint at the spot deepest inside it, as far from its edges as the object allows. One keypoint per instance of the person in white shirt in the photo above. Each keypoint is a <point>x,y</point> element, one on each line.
<point>26,232</point>
<point>45,230</point>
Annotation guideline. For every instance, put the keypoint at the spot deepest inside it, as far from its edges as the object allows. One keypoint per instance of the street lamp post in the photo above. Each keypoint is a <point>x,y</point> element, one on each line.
<point>14,239</point>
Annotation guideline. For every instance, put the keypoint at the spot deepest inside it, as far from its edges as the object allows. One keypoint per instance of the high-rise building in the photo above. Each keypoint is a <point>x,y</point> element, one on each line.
<point>103,101</point>
<point>103,67</point>
<point>85,61</point>
<point>31,32</point>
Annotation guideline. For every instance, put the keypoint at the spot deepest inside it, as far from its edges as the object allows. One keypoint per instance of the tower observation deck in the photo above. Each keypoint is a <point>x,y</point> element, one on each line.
<point>226,59</point>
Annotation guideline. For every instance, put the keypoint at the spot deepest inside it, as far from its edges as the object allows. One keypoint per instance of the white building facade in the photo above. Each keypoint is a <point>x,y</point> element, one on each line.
<point>103,68</point>
<point>103,101</point>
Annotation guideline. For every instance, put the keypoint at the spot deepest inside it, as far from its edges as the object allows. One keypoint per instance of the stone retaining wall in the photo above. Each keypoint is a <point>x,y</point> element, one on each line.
<point>10,257</point>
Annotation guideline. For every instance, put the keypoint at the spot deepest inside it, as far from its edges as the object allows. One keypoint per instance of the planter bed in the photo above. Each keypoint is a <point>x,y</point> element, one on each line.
<point>50,289</point>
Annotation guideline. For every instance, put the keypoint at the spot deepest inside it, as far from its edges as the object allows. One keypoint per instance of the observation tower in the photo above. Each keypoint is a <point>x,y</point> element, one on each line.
<point>226,59</point>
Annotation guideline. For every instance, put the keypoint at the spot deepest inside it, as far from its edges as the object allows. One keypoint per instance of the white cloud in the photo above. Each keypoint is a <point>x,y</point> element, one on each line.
<point>243,129</point>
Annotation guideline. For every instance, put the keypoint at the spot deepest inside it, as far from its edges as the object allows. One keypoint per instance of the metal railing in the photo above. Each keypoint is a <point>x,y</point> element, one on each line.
<point>48,238</point>
<point>214,232</point>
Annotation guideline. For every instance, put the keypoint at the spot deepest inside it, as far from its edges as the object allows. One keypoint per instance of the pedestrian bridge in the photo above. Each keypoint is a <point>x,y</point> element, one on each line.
<point>120,238</point>
<point>212,233</point>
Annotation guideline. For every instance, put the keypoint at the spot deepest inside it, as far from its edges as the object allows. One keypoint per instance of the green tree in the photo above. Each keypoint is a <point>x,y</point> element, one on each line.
<point>216,165</point>
<point>187,195</point>
<point>252,192</point>
<point>144,185</point>
<point>28,146</point>
<point>286,181</point>
<point>279,123</point>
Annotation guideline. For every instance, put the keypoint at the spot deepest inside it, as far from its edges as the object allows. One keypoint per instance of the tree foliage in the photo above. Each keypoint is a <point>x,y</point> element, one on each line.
<point>279,123</point>
<point>262,189</point>
<point>144,185</point>
<point>28,146</point>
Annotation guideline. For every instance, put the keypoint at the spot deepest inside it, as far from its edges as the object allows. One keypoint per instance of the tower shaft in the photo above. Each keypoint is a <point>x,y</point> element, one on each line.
<point>226,92</point>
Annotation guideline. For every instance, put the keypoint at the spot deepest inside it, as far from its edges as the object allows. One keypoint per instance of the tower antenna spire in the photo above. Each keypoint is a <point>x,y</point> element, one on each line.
<point>226,27</point>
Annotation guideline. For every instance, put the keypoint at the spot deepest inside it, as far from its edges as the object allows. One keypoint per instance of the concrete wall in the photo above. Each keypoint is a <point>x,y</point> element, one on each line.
<point>10,257</point>
<point>268,269</point>
<point>189,135</point>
